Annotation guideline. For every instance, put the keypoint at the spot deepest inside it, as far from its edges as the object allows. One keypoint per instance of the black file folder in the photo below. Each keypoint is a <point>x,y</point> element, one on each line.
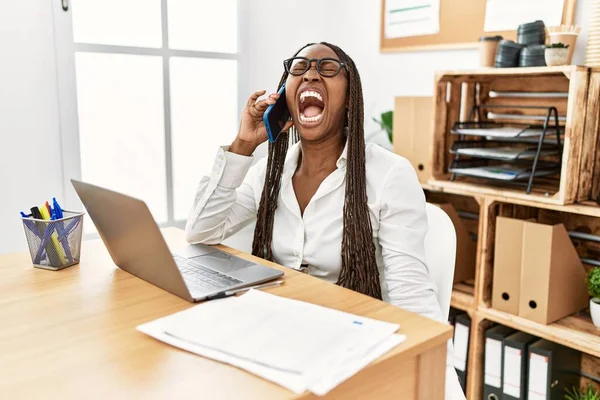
<point>492,378</point>
<point>515,353</point>
<point>454,312</point>
<point>551,369</point>
<point>462,329</point>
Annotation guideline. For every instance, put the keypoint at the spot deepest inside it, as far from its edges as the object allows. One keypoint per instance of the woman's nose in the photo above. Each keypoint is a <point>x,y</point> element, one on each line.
<point>312,75</point>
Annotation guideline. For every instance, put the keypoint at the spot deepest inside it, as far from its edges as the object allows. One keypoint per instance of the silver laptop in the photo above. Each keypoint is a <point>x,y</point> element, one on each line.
<point>136,245</point>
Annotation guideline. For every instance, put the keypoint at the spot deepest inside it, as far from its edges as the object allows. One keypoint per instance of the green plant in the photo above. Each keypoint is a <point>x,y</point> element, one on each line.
<point>593,282</point>
<point>557,46</point>
<point>386,123</point>
<point>577,394</point>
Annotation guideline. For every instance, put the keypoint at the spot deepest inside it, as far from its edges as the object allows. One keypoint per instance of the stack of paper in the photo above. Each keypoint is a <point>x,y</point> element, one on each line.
<point>298,345</point>
<point>502,132</point>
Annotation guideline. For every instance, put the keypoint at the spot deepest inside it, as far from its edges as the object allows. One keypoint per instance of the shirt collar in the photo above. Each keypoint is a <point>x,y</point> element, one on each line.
<point>293,154</point>
<point>342,160</point>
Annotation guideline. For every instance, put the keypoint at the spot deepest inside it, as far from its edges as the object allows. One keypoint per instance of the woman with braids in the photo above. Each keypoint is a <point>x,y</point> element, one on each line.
<point>324,202</point>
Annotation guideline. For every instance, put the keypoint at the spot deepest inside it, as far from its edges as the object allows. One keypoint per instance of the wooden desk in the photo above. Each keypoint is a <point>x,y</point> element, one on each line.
<point>71,334</point>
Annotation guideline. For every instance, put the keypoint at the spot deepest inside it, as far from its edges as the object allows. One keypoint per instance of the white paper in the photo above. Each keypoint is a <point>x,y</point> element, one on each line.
<point>493,362</point>
<point>330,381</point>
<point>272,325</point>
<point>538,377</point>
<point>501,132</point>
<point>405,18</point>
<point>461,346</point>
<point>502,153</point>
<point>507,15</point>
<point>512,372</point>
<point>228,325</point>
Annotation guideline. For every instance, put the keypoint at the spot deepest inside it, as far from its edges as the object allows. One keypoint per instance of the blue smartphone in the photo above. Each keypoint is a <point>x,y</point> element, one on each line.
<point>276,116</point>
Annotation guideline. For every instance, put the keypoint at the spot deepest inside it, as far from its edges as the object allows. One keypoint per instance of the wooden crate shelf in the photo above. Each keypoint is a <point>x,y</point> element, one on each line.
<point>576,332</point>
<point>515,72</point>
<point>456,93</point>
<point>474,297</point>
<point>590,208</point>
<point>569,199</point>
<point>463,297</point>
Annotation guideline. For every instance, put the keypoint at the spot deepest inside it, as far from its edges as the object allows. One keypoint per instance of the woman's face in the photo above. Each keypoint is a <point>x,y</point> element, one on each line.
<point>317,104</point>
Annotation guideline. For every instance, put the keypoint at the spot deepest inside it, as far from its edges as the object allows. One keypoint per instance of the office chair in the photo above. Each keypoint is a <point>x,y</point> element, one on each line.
<point>440,254</point>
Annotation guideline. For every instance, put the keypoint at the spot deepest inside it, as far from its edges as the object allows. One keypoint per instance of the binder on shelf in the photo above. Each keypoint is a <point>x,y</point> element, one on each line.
<point>412,132</point>
<point>515,351</point>
<point>493,366</point>
<point>462,328</point>
<point>551,273</point>
<point>454,312</point>
<point>466,248</point>
<point>550,367</point>
<point>507,264</point>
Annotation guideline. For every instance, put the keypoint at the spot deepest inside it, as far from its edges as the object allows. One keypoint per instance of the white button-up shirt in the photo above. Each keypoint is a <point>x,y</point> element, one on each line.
<point>228,198</point>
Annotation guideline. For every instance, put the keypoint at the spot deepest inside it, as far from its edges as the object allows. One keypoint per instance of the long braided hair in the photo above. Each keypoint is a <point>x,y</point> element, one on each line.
<point>359,270</point>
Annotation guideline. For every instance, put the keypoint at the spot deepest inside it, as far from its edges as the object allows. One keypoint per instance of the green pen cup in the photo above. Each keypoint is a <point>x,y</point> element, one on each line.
<point>54,244</point>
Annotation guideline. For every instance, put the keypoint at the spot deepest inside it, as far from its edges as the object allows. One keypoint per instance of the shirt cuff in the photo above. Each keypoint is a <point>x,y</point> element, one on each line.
<point>230,169</point>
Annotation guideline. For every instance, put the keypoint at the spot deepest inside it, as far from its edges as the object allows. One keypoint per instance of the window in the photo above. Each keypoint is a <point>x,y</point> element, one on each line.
<point>156,93</point>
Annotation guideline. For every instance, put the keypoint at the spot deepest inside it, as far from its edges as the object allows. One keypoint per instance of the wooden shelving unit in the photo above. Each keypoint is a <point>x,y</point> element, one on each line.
<point>463,297</point>
<point>574,331</point>
<point>474,297</point>
<point>572,200</point>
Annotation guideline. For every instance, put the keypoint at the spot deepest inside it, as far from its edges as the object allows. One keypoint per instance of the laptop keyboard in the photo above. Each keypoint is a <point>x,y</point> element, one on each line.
<point>202,279</point>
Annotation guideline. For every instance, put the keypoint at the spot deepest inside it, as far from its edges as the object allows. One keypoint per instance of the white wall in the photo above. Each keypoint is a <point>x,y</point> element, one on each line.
<point>30,159</point>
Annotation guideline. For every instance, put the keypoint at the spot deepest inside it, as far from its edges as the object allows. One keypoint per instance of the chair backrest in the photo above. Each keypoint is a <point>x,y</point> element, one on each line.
<point>440,251</point>
<point>440,254</point>
<point>242,239</point>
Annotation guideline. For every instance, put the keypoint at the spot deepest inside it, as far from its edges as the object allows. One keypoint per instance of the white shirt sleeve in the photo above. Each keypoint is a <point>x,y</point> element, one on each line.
<point>402,229</point>
<point>226,199</point>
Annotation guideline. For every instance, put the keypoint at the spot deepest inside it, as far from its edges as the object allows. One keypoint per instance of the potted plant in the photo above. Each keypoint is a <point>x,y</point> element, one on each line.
<point>386,123</point>
<point>577,394</point>
<point>556,54</point>
<point>593,284</point>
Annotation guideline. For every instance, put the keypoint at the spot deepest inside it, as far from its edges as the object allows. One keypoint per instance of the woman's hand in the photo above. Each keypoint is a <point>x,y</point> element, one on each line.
<point>252,128</point>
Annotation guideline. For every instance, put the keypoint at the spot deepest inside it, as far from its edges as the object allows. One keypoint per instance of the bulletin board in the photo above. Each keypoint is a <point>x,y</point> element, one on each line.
<point>459,23</point>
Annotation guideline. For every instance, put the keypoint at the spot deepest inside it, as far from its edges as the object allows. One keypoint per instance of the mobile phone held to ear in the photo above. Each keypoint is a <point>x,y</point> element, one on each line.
<point>276,116</point>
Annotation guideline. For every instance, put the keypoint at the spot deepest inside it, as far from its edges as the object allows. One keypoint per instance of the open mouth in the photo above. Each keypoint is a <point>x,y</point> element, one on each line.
<point>311,106</point>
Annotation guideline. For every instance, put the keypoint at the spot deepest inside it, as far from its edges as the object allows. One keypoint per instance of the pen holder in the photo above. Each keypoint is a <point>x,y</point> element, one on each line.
<point>54,244</point>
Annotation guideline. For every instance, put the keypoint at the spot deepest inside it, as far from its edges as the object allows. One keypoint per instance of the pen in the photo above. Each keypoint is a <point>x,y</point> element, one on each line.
<point>59,251</point>
<point>57,213</point>
<point>229,293</point>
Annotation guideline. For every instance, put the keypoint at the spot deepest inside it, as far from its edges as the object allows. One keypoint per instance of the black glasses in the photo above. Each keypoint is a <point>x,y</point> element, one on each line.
<point>327,67</point>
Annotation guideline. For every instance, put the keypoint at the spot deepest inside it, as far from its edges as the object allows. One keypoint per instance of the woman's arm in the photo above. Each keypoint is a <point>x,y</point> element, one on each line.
<point>225,200</point>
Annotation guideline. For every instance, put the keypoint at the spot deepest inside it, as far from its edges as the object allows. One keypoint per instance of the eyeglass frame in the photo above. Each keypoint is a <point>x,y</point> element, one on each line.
<point>309,65</point>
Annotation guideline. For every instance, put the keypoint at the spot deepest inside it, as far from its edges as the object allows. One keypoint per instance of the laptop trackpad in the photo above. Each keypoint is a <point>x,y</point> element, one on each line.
<point>222,262</point>
<point>195,250</point>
